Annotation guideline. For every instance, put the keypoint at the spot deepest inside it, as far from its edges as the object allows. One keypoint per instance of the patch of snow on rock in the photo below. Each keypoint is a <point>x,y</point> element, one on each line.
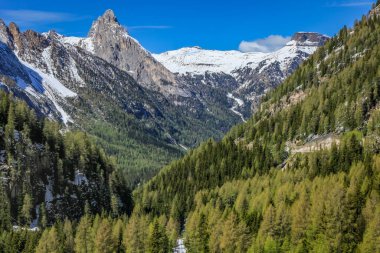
<point>180,248</point>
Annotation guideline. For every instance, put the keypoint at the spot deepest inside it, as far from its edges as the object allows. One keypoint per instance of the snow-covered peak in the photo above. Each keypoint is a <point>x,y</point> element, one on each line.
<point>199,61</point>
<point>85,43</point>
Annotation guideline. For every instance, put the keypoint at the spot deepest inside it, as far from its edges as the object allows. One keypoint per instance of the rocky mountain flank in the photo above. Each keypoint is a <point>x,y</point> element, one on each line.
<point>246,76</point>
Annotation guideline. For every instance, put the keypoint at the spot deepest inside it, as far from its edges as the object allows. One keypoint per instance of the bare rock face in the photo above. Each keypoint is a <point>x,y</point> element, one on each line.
<point>5,36</point>
<point>112,43</point>
<point>15,33</point>
<point>309,39</point>
<point>375,12</point>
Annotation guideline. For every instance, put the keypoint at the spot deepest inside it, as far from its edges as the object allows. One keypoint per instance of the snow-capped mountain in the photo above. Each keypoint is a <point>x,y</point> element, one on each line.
<point>253,72</point>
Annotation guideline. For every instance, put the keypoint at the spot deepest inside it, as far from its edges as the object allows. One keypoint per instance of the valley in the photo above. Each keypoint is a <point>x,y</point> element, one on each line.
<point>107,147</point>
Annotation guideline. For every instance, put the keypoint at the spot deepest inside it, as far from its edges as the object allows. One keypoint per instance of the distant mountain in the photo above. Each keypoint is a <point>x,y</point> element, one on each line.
<point>247,75</point>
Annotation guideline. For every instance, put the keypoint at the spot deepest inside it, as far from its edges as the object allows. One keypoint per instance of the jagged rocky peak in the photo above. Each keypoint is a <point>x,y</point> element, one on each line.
<point>106,21</point>
<point>4,34</point>
<point>111,42</point>
<point>10,35</point>
<point>309,39</point>
<point>375,11</point>
<point>109,16</point>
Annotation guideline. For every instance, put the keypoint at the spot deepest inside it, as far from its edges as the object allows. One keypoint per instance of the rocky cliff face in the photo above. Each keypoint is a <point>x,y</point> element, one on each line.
<point>309,39</point>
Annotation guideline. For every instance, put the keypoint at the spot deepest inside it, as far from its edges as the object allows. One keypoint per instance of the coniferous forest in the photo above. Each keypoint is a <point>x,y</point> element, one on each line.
<point>302,175</point>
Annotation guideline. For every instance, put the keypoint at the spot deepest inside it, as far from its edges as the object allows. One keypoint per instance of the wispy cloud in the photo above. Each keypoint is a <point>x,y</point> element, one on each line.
<point>149,27</point>
<point>26,17</point>
<point>266,45</point>
<point>350,4</point>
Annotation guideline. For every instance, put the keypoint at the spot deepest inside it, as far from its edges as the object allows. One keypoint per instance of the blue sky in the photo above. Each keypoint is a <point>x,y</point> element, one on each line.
<point>162,25</point>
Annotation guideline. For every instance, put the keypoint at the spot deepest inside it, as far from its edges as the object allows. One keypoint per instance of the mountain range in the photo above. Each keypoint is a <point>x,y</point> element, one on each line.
<point>144,109</point>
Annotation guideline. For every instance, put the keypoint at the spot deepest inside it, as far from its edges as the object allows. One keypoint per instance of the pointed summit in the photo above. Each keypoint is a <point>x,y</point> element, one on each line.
<point>109,16</point>
<point>106,21</point>
<point>109,40</point>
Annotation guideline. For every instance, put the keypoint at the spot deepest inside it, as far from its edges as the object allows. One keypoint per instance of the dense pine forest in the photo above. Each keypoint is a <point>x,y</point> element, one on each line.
<point>48,174</point>
<point>302,175</point>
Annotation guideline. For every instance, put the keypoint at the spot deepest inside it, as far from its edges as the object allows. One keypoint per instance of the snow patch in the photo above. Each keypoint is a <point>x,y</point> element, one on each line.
<point>180,248</point>
<point>199,61</point>
<point>47,81</point>
<point>85,43</point>
<point>184,147</point>
<point>49,193</point>
<point>34,223</point>
<point>238,103</point>
<point>80,178</point>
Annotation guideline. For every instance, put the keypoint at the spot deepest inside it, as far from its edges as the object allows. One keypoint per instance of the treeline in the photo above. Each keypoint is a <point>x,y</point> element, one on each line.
<point>95,233</point>
<point>48,174</point>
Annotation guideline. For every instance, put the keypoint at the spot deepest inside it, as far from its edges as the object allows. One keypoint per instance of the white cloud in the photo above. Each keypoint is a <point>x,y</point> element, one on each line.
<point>266,45</point>
<point>26,17</point>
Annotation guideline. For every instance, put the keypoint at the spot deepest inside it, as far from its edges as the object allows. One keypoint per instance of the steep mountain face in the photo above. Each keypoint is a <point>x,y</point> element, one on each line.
<point>246,75</point>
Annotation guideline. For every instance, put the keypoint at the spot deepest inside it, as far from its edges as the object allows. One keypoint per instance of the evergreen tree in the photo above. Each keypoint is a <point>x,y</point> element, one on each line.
<point>68,237</point>
<point>5,215</point>
<point>158,241</point>
<point>104,242</point>
<point>49,242</point>
<point>26,210</point>
<point>83,240</point>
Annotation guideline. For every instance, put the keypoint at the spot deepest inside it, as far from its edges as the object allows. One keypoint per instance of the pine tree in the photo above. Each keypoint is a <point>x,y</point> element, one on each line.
<point>104,242</point>
<point>49,242</point>
<point>114,205</point>
<point>43,216</point>
<point>371,240</point>
<point>68,237</point>
<point>158,242</point>
<point>26,210</point>
<point>117,233</point>
<point>5,215</point>
<point>83,240</point>
<point>235,235</point>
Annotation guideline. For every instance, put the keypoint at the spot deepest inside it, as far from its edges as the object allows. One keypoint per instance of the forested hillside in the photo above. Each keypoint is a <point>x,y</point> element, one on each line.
<point>302,175</point>
<point>48,174</point>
